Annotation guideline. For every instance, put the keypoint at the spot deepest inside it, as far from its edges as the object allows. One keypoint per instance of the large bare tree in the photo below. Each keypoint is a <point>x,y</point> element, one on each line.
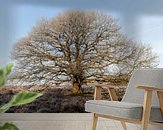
<point>76,46</point>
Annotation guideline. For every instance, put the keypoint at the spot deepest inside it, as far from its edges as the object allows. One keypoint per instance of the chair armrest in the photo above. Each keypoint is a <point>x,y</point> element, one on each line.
<point>111,90</point>
<point>150,88</point>
<point>101,85</point>
<point>148,101</point>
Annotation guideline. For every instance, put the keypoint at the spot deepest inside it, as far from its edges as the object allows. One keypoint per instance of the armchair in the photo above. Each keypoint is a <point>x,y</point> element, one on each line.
<point>138,107</point>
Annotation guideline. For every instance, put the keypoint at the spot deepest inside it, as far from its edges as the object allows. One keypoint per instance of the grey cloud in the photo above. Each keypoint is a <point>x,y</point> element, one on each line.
<point>152,7</point>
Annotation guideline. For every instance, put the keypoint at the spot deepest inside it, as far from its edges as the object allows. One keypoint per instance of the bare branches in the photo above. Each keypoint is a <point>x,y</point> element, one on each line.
<point>76,45</point>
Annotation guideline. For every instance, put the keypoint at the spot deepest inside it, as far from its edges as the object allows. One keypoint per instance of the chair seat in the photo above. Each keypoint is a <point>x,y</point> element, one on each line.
<point>131,111</point>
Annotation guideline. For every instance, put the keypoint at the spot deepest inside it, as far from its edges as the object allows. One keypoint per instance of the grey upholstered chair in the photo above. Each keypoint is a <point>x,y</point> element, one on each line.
<point>137,106</point>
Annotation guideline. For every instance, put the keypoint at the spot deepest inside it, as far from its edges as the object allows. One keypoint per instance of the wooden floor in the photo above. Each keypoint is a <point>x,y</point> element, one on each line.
<point>57,121</point>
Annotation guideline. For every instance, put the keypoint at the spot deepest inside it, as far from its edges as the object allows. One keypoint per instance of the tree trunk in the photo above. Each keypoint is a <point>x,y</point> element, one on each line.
<point>76,86</point>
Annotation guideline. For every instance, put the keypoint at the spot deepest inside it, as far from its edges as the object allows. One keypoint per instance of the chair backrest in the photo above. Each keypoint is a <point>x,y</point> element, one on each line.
<point>147,77</point>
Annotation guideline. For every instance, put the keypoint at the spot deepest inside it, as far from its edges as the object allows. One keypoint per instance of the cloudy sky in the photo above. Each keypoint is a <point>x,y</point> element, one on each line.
<point>141,20</point>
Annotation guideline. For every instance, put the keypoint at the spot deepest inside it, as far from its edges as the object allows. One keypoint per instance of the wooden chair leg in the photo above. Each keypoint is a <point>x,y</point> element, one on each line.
<point>146,109</point>
<point>114,97</point>
<point>160,98</point>
<point>124,125</point>
<point>94,122</point>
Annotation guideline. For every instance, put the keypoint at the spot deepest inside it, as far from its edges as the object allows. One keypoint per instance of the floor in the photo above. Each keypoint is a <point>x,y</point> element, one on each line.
<point>57,121</point>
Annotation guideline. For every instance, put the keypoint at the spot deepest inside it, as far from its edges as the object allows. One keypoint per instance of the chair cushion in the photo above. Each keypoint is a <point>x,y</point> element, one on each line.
<point>131,111</point>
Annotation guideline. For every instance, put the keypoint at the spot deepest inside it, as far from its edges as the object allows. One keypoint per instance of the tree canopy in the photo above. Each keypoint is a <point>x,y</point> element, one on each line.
<point>76,46</point>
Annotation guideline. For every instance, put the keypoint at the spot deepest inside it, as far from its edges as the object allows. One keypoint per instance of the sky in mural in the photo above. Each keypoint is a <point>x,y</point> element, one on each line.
<point>139,20</point>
